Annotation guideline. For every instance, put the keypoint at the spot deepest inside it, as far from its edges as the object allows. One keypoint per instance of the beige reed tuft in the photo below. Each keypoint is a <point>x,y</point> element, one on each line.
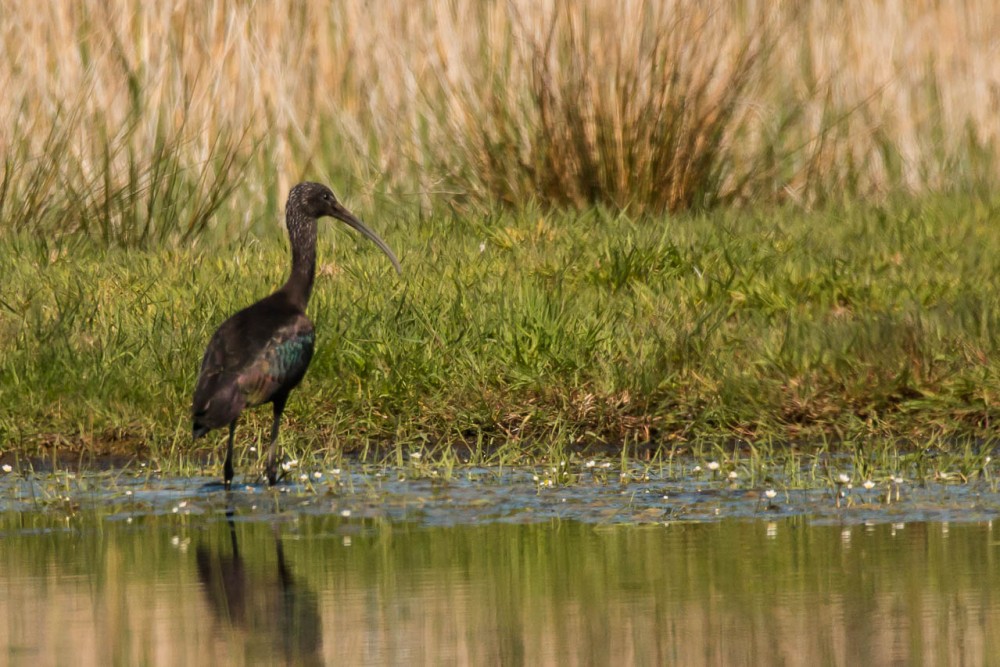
<point>635,104</point>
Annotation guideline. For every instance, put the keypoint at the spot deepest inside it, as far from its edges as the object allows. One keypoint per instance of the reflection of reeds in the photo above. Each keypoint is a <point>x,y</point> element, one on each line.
<point>562,593</point>
<point>641,104</point>
<point>268,610</point>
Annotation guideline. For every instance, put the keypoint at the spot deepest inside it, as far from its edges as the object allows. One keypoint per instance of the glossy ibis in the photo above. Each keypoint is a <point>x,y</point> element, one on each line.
<point>261,353</point>
<point>260,598</point>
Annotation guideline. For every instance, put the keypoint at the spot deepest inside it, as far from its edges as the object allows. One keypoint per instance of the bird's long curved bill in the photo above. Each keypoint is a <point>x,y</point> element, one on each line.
<point>348,218</point>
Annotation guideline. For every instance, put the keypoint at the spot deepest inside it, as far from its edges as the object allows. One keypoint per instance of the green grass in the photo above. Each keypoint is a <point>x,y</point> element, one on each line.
<point>515,337</point>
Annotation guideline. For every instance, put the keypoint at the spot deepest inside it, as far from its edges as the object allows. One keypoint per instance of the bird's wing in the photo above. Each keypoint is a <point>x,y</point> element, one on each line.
<point>248,360</point>
<point>280,363</point>
<point>217,400</point>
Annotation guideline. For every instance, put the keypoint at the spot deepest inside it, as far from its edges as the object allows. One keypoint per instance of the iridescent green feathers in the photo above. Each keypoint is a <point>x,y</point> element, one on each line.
<point>285,358</point>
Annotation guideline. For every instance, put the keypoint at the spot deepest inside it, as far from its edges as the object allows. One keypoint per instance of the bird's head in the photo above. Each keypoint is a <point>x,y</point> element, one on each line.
<point>315,200</point>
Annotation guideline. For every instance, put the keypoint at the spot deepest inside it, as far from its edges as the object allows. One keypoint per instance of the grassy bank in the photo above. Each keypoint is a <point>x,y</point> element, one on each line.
<point>534,333</point>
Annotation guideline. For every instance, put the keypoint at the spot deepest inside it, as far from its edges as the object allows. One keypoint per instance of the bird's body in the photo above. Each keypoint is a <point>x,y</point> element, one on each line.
<point>262,352</point>
<point>256,354</point>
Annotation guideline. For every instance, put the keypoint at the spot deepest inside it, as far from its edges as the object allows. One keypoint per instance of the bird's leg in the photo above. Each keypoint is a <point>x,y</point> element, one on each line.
<point>272,452</point>
<point>227,467</point>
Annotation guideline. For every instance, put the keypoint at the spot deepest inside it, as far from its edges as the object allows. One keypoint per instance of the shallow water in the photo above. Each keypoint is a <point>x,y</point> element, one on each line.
<point>491,568</point>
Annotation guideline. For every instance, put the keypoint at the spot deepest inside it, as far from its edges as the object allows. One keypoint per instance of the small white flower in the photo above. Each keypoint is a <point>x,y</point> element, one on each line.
<point>843,479</point>
<point>345,513</point>
<point>869,485</point>
<point>128,492</point>
<point>987,461</point>
<point>7,467</point>
<point>534,478</point>
<point>606,464</point>
<point>288,465</point>
<point>591,464</point>
<point>252,448</point>
<point>770,493</point>
<point>713,465</point>
<point>318,475</point>
<point>482,247</point>
<point>416,456</point>
<point>696,469</point>
<point>303,477</point>
<point>335,471</point>
<point>897,480</point>
<point>732,474</point>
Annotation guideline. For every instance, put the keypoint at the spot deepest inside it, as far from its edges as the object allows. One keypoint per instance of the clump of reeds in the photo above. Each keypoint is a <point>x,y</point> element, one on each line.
<point>115,188</point>
<point>560,111</point>
<point>641,105</point>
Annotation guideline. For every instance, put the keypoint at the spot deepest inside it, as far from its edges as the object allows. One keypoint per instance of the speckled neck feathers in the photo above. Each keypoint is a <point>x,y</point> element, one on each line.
<point>302,234</point>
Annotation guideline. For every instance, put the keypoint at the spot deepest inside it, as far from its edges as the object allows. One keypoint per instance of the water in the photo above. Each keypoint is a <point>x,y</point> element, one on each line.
<point>490,570</point>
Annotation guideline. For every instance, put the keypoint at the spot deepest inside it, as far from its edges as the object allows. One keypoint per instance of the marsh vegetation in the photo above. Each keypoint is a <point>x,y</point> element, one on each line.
<point>732,225</point>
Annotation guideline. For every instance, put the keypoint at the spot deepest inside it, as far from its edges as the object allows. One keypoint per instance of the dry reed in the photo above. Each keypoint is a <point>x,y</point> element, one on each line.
<point>637,104</point>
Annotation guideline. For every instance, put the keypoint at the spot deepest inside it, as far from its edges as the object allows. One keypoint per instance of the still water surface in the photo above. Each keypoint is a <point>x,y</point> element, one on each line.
<point>257,578</point>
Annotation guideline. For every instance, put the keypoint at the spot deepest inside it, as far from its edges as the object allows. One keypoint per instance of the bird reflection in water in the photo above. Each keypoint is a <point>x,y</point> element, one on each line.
<point>262,606</point>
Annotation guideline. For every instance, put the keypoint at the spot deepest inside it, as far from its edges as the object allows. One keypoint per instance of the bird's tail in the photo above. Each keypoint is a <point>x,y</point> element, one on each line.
<point>199,429</point>
<point>223,404</point>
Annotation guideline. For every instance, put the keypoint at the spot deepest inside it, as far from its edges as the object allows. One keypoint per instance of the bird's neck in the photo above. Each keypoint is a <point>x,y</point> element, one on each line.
<point>302,234</point>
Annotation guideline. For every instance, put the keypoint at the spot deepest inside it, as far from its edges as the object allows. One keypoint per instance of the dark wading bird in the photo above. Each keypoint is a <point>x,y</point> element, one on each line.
<point>260,601</point>
<point>261,353</point>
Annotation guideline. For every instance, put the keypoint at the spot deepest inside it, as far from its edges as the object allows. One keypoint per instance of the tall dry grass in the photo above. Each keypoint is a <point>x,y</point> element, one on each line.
<point>639,104</point>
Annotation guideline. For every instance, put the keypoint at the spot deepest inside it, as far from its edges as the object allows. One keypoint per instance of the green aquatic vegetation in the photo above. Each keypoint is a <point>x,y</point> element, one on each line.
<point>683,488</point>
